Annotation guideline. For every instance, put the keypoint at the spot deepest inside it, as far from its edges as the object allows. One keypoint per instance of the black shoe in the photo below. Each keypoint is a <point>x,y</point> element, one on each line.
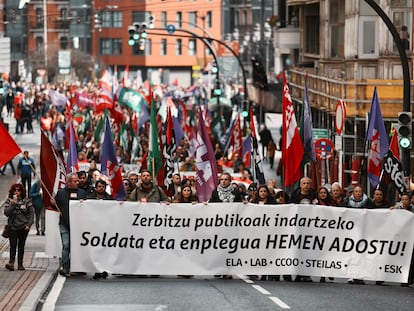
<point>287,278</point>
<point>263,278</point>
<point>306,279</point>
<point>37,232</point>
<point>379,282</point>
<point>100,275</point>
<point>322,280</point>
<point>358,282</point>
<point>274,278</point>
<point>64,272</point>
<point>298,279</point>
<point>43,233</point>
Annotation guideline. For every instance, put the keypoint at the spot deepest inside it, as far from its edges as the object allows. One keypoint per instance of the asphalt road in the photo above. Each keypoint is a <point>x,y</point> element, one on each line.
<point>209,293</point>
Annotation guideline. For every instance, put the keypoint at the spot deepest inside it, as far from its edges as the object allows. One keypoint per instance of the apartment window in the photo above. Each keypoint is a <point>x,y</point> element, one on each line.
<point>164,19</point>
<point>64,42</point>
<point>179,19</point>
<point>209,20</point>
<point>163,49</point>
<point>111,19</point>
<point>139,16</point>
<point>111,46</point>
<point>236,19</point>
<point>179,47</point>
<point>192,19</point>
<point>39,17</point>
<point>63,14</point>
<point>402,22</point>
<point>368,37</point>
<point>337,26</point>
<point>192,47</point>
<point>39,44</point>
<point>311,29</point>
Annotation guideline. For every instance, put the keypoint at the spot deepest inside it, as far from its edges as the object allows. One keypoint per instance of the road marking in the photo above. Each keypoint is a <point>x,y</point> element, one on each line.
<point>245,278</point>
<point>279,302</point>
<point>54,293</point>
<point>261,289</point>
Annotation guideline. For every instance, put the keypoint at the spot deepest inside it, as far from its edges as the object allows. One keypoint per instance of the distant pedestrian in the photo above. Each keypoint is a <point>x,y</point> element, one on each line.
<point>265,137</point>
<point>20,214</point>
<point>36,195</point>
<point>25,168</point>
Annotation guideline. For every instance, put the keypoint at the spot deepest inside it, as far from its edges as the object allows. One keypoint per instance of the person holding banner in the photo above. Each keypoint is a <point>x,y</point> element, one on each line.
<point>225,192</point>
<point>379,200</point>
<point>358,199</point>
<point>61,203</point>
<point>186,196</point>
<point>337,194</point>
<point>263,196</point>
<point>304,195</point>
<point>406,204</point>
<point>146,191</point>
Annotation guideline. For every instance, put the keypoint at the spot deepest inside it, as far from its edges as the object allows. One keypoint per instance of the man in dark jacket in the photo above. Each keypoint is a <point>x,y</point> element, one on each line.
<point>61,203</point>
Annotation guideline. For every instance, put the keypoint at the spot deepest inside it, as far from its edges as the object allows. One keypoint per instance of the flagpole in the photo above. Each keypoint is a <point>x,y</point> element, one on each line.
<point>44,186</point>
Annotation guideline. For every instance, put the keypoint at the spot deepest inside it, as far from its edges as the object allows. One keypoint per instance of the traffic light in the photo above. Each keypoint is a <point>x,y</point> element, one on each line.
<point>141,44</point>
<point>245,109</point>
<point>132,35</point>
<point>98,20</point>
<point>217,88</point>
<point>142,29</point>
<point>151,21</point>
<point>405,129</point>
<point>214,69</point>
<point>137,33</point>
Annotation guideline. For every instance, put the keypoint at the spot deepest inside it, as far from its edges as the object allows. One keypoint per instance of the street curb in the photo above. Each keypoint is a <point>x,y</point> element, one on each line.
<point>36,297</point>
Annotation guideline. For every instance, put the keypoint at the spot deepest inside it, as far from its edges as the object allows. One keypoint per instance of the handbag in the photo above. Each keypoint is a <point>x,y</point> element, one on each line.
<point>6,232</point>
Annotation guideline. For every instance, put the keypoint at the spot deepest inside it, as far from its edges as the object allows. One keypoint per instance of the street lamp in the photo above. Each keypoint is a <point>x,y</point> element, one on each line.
<point>268,39</point>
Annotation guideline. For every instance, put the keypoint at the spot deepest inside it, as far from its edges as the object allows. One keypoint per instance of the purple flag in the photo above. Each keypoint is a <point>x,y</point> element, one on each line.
<point>109,165</point>
<point>178,130</point>
<point>57,99</point>
<point>378,139</point>
<point>72,160</point>
<point>307,126</point>
<point>206,166</point>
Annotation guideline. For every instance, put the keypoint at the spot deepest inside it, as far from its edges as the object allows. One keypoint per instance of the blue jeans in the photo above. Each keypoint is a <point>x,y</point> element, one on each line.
<point>65,237</point>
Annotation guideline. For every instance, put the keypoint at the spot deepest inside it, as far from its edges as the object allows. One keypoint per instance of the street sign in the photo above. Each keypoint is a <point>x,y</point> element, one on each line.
<point>340,115</point>
<point>170,29</point>
<point>320,133</point>
<point>324,148</point>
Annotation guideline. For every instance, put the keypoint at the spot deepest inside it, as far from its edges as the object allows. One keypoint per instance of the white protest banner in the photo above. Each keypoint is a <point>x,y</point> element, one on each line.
<point>232,238</point>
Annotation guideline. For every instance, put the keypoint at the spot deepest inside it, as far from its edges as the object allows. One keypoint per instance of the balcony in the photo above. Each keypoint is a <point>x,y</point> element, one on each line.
<point>287,39</point>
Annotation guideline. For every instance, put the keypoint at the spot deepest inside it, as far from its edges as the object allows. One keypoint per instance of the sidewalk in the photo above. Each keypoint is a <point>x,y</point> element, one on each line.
<point>23,290</point>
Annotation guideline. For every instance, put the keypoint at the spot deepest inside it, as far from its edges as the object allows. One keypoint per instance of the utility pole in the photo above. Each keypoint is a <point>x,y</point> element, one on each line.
<point>405,154</point>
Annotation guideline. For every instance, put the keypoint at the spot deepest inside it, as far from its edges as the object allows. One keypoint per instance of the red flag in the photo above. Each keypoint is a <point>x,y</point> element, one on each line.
<point>9,147</point>
<point>237,138</point>
<point>292,149</point>
<point>206,166</point>
<point>52,169</point>
<point>394,144</point>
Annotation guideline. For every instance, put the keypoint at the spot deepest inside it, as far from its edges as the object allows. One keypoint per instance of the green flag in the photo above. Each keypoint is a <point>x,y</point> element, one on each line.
<point>154,153</point>
<point>123,136</point>
<point>98,130</point>
<point>131,98</point>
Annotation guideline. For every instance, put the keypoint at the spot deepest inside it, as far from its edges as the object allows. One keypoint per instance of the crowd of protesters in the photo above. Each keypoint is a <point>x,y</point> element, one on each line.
<point>236,182</point>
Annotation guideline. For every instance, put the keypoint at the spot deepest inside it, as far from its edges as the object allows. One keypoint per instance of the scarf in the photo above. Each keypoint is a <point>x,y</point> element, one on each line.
<point>225,194</point>
<point>357,203</point>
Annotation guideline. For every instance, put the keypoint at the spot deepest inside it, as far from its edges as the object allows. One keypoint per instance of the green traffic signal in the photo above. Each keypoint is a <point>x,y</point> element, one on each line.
<point>217,92</point>
<point>245,114</point>
<point>131,41</point>
<point>405,143</point>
